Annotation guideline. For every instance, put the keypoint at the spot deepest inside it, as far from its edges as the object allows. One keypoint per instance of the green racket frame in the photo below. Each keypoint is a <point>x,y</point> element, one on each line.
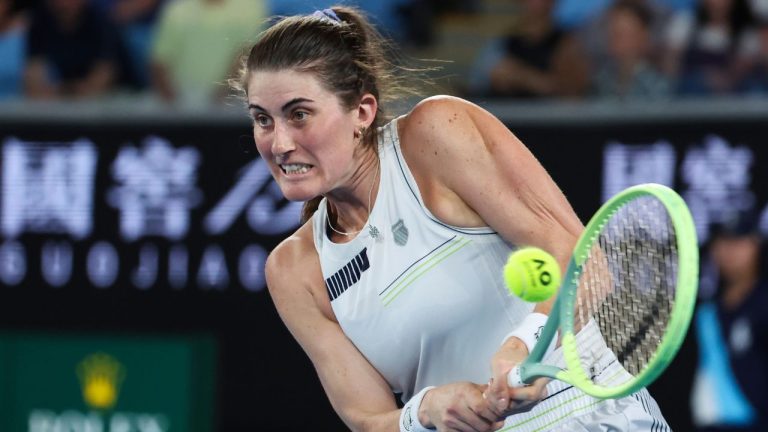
<point>563,308</point>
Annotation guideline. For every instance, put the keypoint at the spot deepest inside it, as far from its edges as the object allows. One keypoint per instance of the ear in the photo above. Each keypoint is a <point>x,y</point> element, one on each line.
<point>367,109</point>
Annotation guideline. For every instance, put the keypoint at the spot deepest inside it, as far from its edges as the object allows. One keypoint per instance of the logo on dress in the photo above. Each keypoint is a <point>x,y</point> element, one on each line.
<point>400,232</point>
<point>348,275</point>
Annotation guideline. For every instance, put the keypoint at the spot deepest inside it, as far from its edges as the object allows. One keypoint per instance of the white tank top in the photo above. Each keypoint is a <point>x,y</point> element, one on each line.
<point>426,304</point>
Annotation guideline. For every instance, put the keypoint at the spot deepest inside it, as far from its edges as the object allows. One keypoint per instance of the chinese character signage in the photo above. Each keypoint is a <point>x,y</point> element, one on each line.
<point>715,177</point>
<point>136,215</point>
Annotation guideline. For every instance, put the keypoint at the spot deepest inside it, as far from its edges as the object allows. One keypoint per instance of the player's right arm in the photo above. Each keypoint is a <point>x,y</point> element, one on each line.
<point>356,390</point>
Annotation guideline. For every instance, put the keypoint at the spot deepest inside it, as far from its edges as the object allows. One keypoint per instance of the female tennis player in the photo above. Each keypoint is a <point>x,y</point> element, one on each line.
<point>393,284</point>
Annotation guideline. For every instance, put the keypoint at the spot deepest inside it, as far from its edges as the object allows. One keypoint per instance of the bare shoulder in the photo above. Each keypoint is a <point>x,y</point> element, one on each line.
<point>434,130</point>
<point>293,273</point>
<point>444,140</point>
<point>434,114</point>
<point>291,252</point>
<point>447,125</point>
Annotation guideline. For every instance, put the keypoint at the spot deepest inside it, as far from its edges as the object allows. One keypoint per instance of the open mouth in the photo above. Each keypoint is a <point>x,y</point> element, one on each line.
<point>295,168</point>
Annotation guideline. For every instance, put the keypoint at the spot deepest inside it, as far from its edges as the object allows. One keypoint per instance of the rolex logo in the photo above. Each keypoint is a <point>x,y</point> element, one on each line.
<point>101,376</point>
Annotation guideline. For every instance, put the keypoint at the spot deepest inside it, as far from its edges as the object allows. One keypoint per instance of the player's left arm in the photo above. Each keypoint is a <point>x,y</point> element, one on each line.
<point>474,171</point>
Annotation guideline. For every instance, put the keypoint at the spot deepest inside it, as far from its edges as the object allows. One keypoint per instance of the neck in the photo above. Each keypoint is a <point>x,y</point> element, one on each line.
<point>349,206</point>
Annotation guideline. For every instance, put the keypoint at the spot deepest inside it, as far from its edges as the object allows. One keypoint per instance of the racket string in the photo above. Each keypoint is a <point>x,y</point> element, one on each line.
<point>627,286</point>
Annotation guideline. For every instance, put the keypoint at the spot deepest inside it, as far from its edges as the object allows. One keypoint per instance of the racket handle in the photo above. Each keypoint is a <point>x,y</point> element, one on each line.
<point>514,379</point>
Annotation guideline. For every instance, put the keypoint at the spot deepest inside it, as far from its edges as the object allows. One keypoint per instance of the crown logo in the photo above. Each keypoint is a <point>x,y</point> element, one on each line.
<point>101,376</point>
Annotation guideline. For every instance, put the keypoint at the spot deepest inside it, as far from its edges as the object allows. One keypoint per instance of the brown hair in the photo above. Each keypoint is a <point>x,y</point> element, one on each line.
<point>347,55</point>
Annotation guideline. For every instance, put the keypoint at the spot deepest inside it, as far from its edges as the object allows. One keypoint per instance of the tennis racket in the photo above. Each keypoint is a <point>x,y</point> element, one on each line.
<point>626,299</point>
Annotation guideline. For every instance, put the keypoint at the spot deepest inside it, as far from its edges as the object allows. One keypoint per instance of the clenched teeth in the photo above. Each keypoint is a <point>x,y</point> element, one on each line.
<point>295,168</point>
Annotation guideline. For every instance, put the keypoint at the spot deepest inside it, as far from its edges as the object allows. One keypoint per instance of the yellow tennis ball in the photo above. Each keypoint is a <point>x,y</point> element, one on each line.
<point>532,274</point>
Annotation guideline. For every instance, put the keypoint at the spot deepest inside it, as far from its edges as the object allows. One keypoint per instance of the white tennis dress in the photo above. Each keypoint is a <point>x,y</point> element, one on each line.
<point>426,304</point>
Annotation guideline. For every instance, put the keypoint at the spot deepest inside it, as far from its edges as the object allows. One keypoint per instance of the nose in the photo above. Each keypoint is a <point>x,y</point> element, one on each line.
<point>282,143</point>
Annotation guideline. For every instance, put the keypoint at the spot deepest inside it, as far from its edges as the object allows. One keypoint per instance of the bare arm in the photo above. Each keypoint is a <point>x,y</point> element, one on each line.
<point>356,390</point>
<point>97,82</point>
<point>473,171</point>
<point>38,87</point>
<point>570,69</point>
<point>36,84</point>
<point>161,81</point>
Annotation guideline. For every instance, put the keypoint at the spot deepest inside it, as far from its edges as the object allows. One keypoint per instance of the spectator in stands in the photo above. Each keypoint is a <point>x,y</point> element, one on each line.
<point>710,50</point>
<point>419,17</point>
<point>391,17</point>
<point>196,45</point>
<point>536,59</point>
<point>628,71</point>
<point>72,51</point>
<point>572,14</point>
<point>756,81</point>
<point>12,48</point>
<point>135,20</point>
<point>738,253</point>
<point>407,22</point>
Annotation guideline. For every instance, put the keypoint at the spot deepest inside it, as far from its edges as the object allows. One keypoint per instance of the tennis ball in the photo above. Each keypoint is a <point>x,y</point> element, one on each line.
<point>532,274</point>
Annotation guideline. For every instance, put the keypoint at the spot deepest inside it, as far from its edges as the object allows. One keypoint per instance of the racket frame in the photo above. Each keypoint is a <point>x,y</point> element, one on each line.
<point>562,313</point>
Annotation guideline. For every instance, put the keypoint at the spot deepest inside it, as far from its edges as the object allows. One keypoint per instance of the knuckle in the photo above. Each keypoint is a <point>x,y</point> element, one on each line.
<point>477,406</point>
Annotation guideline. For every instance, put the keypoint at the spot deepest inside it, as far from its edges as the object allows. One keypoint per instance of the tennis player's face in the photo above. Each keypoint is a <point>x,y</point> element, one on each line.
<point>302,131</point>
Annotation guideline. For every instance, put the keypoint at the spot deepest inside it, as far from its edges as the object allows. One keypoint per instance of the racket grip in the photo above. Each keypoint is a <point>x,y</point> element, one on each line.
<point>514,379</point>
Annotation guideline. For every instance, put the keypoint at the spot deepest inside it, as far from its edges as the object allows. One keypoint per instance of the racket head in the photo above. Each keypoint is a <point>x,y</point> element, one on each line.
<point>631,288</point>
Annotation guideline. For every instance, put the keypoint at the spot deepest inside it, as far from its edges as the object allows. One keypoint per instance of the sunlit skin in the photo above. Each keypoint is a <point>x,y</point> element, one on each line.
<point>298,122</point>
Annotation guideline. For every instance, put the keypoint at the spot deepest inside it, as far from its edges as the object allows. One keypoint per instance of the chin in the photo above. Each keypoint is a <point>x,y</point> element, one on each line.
<point>298,195</point>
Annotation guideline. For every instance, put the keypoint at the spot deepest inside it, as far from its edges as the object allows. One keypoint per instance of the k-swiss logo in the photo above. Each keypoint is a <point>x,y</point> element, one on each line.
<point>348,275</point>
<point>400,232</point>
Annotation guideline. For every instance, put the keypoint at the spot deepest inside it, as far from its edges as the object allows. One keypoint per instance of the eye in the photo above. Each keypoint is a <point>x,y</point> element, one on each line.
<point>300,115</point>
<point>262,120</point>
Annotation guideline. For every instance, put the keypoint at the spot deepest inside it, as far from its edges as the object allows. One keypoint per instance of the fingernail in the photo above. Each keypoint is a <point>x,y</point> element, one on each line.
<point>502,404</point>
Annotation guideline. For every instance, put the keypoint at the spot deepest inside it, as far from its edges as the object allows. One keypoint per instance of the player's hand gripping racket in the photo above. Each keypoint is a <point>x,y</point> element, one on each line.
<point>626,298</point>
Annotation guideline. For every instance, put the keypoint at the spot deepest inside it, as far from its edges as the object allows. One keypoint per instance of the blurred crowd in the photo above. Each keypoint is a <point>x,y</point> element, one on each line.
<point>629,49</point>
<point>181,52</point>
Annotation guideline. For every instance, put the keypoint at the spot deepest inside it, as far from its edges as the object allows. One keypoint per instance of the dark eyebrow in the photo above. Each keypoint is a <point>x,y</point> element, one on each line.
<point>285,107</point>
